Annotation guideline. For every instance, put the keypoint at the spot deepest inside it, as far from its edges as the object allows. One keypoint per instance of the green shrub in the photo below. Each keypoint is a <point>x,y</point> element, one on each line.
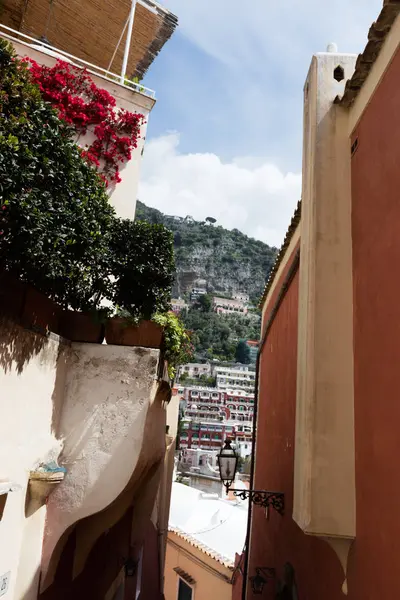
<point>142,267</point>
<point>55,214</point>
<point>58,230</point>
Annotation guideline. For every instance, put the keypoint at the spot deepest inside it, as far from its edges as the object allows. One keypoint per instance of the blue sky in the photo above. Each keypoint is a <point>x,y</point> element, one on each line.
<point>224,139</point>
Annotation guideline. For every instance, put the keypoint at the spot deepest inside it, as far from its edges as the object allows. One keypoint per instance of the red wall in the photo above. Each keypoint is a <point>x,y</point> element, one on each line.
<point>374,562</point>
<point>104,564</point>
<point>376,260</point>
<point>277,540</point>
<point>237,584</point>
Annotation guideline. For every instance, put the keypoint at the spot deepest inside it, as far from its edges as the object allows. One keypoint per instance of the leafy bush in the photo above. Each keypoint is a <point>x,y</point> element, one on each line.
<point>142,266</point>
<point>55,214</point>
<point>178,346</point>
<point>58,230</point>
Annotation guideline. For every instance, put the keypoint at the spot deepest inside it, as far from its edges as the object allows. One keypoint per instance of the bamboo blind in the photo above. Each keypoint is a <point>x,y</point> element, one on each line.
<point>90,29</point>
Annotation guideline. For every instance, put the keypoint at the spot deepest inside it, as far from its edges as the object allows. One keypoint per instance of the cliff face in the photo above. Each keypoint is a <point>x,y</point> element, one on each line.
<point>210,256</point>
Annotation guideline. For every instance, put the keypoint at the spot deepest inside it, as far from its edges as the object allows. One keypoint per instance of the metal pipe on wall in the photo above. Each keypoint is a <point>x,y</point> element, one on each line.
<point>128,41</point>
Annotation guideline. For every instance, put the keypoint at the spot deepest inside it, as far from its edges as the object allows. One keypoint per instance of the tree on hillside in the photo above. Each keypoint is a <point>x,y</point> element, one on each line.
<point>242,354</point>
<point>211,220</point>
<point>205,302</point>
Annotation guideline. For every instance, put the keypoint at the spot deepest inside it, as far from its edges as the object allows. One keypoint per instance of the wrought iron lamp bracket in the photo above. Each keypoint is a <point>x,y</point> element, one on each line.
<point>275,500</point>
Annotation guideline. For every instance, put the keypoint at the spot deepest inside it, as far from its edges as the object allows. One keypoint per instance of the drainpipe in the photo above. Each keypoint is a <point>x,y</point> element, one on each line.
<point>128,41</point>
<point>252,470</point>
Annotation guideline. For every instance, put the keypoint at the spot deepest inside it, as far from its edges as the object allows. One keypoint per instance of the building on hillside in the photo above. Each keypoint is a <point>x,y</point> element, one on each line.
<point>178,305</point>
<point>242,377</point>
<point>240,405</point>
<point>202,402</point>
<point>195,458</point>
<point>242,296</point>
<point>205,543</point>
<point>100,410</point>
<point>196,293</point>
<point>195,370</point>
<point>204,395</point>
<point>253,346</point>
<point>229,306</point>
<point>208,433</point>
<point>327,424</point>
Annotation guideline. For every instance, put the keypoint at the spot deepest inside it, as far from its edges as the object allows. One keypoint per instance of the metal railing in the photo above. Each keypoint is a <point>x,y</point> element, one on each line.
<point>14,35</point>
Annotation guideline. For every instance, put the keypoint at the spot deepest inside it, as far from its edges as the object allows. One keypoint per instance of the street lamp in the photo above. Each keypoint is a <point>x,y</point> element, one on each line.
<point>130,567</point>
<point>258,581</point>
<point>227,463</point>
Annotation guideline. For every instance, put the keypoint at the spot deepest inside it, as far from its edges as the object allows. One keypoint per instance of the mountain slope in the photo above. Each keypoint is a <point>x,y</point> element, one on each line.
<point>211,256</point>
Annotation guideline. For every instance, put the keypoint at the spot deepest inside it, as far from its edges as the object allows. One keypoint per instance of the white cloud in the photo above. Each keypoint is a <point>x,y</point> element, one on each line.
<point>250,33</point>
<point>248,193</point>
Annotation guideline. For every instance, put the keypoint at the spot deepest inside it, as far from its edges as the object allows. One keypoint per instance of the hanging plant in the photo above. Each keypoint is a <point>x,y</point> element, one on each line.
<point>85,106</point>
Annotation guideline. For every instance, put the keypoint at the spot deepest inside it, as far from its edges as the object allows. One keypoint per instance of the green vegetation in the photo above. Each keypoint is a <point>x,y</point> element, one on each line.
<point>141,266</point>
<point>58,230</point>
<point>178,346</point>
<point>228,260</point>
<point>203,380</point>
<point>216,336</point>
<point>242,354</point>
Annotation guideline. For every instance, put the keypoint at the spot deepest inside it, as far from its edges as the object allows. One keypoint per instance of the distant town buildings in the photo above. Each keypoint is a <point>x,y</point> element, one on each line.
<point>242,296</point>
<point>196,293</point>
<point>178,305</point>
<point>195,370</point>
<point>253,347</point>
<point>229,306</point>
<point>242,377</point>
<point>211,414</point>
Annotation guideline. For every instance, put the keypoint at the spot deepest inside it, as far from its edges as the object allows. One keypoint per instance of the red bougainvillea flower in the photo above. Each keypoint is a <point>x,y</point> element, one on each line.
<point>82,104</point>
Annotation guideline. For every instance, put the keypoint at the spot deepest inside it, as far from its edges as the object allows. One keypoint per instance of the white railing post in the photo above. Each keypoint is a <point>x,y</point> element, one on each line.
<point>128,41</point>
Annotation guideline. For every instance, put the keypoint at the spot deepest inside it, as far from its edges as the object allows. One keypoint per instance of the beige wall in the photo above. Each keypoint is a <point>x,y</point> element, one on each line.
<point>99,405</point>
<point>108,394</point>
<point>324,446</point>
<point>324,456</point>
<point>211,577</point>
<point>31,381</point>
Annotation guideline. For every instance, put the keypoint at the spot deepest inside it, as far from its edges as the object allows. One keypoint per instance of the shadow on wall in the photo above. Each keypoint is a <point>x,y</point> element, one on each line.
<point>16,347</point>
<point>79,552</point>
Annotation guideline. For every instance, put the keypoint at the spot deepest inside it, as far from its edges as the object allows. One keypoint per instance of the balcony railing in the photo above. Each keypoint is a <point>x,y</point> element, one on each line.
<point>30,42</point>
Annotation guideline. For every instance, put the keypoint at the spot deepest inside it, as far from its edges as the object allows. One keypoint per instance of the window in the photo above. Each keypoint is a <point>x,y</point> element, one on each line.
<point>185,592</point>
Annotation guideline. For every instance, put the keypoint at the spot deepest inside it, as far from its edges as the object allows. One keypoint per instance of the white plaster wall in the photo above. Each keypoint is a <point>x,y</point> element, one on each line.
<point>108,394</point>
<point>30,378</point>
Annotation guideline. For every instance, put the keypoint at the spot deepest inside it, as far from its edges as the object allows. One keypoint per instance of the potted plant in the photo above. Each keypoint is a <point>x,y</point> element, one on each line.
<point>87,326</point>
<point>124,330</point>
<point>141,269</point>
<point>40,313</point>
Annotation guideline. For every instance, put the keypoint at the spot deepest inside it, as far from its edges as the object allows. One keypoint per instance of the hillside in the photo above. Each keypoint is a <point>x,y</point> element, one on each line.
<point>223,260</point>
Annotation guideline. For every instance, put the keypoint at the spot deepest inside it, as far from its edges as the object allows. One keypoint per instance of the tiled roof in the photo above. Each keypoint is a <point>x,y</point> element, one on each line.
<point>288,237</point>
<point>193,542</point>
<point>376,38</point>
